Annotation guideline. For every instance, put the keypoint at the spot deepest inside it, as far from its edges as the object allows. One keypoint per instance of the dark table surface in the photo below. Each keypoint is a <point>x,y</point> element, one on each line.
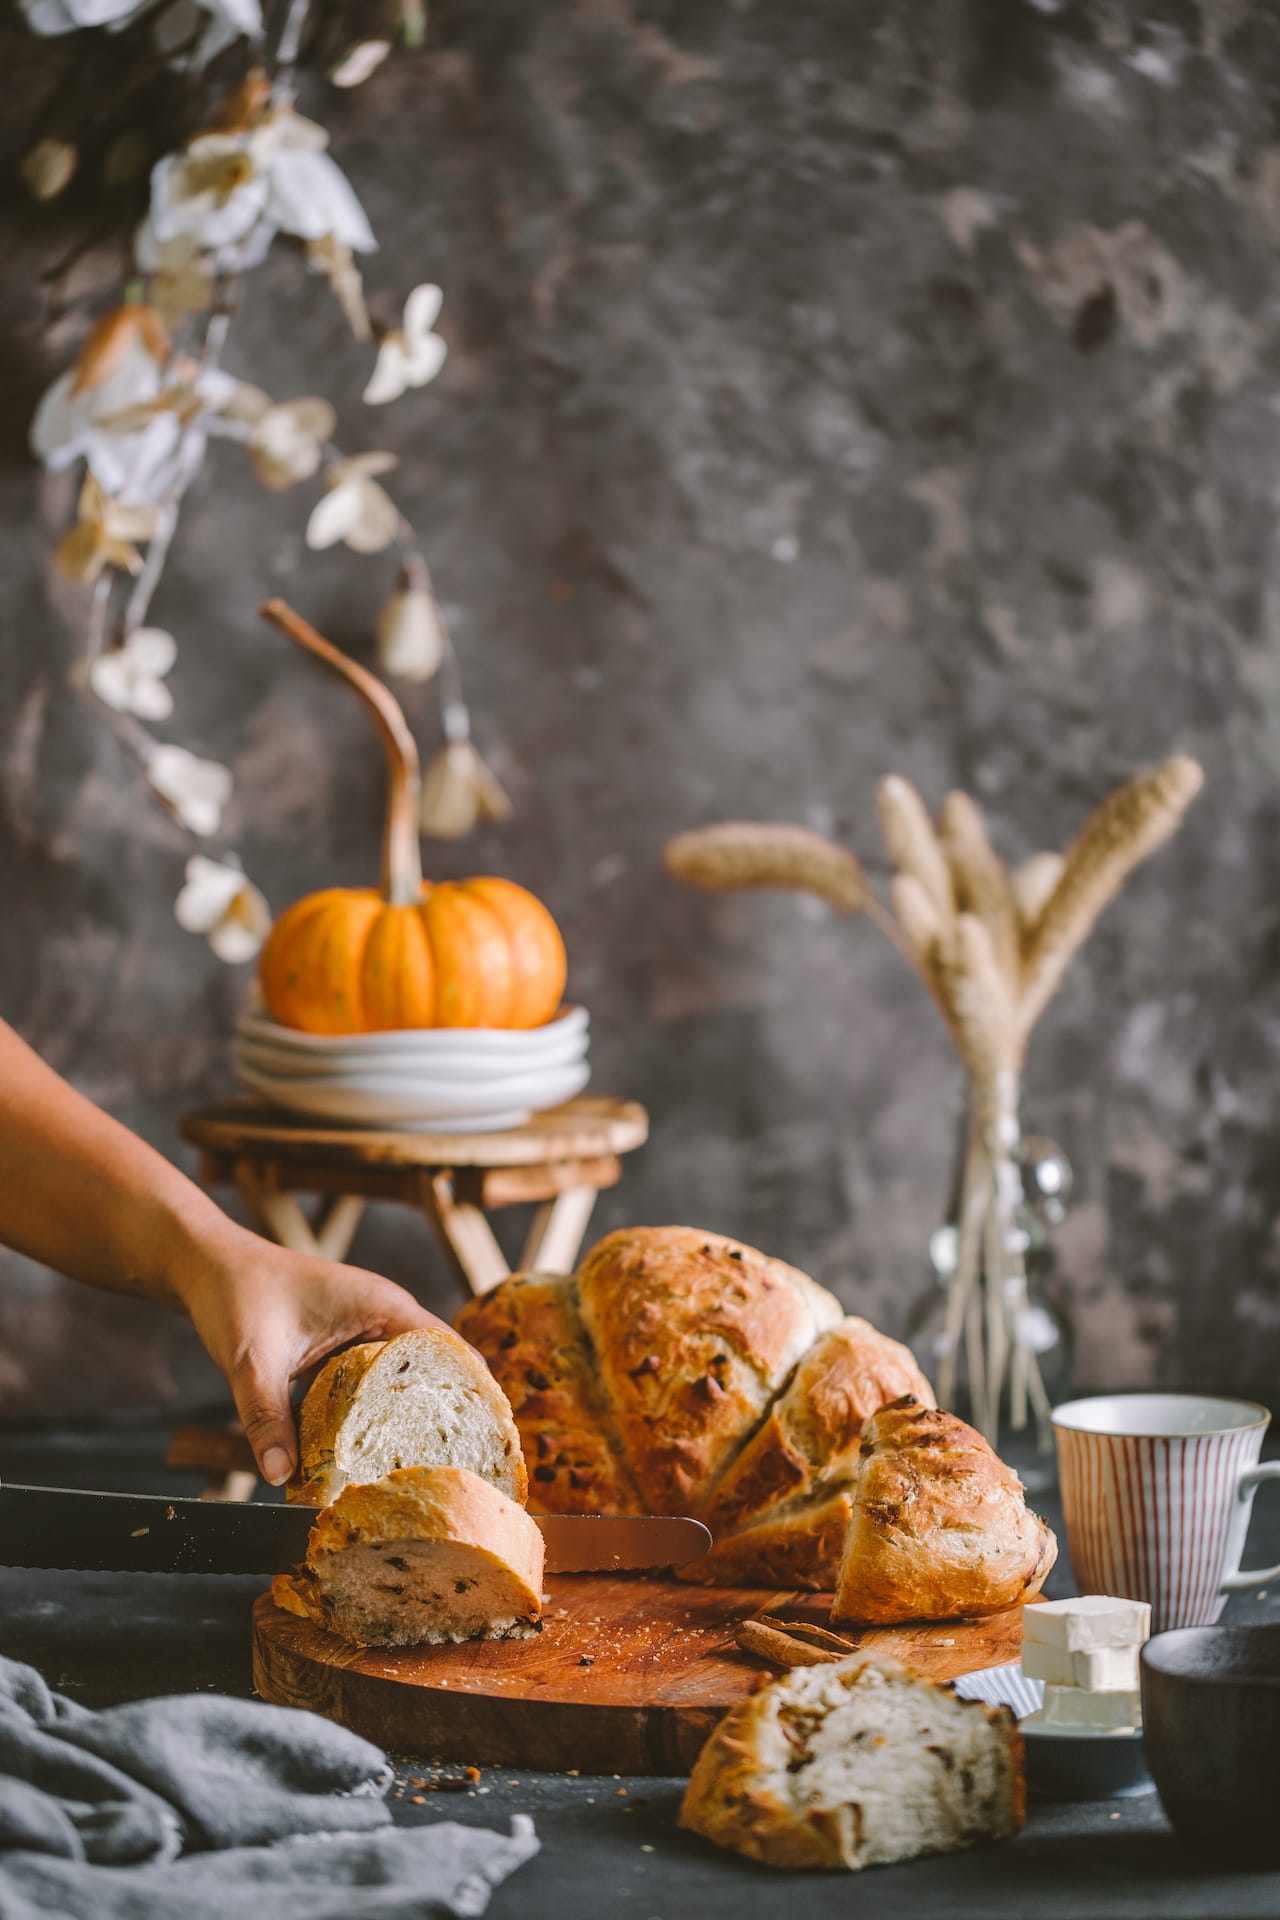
<point>609,1847</point>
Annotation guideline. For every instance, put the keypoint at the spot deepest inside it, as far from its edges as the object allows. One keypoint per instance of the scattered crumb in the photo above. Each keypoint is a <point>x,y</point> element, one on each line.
<point>419,1800</point>
<point>621,1793</point>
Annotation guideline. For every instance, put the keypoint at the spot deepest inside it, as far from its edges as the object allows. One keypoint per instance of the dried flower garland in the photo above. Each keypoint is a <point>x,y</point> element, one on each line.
<point>992,948</point>
<point>147,392</point>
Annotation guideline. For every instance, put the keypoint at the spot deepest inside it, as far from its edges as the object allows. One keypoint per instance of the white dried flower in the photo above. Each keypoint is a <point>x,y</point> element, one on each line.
<point>194,790</point>
<point>355,508</point>
<point>131,677</point>
<point>220,901</point>
<point>411,355</point>
<point>288,441</point>
<point>459,791</point>
<point>228,18</point>
<point>359,62</point>
<point>411,637</point>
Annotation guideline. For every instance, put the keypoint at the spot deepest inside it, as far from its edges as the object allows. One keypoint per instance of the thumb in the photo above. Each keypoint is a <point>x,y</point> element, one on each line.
<point>261,1394</point>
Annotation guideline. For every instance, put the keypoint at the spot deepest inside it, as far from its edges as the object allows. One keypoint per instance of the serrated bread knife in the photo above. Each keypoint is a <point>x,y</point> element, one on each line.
<point>147,1533</point>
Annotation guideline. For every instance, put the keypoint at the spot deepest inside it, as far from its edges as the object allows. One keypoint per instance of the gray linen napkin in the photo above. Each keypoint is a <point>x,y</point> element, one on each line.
<point>178,1806</point>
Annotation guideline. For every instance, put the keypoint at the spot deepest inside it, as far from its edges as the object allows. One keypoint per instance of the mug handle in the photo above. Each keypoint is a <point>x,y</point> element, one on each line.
<point>1257,1576</point>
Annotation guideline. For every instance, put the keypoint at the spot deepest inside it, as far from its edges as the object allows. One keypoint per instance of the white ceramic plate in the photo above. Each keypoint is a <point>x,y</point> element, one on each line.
<point>450,1108</point>
<point>456,1063</point>
<point>1063,1763</point>
<point>526,1044</point>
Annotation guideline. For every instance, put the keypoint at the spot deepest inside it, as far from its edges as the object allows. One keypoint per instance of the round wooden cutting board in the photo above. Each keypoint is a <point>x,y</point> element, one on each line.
<point>629,1674</point>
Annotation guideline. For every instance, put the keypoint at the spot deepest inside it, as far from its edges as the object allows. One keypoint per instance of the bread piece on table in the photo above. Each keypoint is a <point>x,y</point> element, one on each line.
<point>855,1765</point>
<point>940,1528</point>
<point>423,1556</point>
<point>693,1335</point>
<point>528,1330</point>
<point>801,1544</point>
<point>810,1440</point>
<point>423,1399</point>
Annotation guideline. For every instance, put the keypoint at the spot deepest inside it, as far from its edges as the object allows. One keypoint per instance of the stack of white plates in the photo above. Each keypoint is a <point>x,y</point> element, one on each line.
<point>435,1079</point>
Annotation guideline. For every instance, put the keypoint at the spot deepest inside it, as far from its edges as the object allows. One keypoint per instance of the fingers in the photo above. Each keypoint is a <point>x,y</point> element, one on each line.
<point>261,1395</point>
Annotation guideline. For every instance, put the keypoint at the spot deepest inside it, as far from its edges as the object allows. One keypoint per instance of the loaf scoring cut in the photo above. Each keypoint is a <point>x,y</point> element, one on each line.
<point>424,1398</point>
<point>939,1527</point>
<point>420,1557</point>
<point>855,1765</point>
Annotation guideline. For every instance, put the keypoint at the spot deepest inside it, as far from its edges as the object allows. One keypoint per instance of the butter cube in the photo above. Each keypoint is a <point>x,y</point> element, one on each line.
<point>1098,1712</point>
<point>1101,1670</point>
<point>1090,1623</point>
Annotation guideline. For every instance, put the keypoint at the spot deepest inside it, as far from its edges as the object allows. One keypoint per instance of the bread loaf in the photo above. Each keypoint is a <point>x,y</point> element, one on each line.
<point>681,1372</point>
<point>423,1399</point>
<point>939,1527</point>
<point>424,1555</point>
<point>855,1765</point>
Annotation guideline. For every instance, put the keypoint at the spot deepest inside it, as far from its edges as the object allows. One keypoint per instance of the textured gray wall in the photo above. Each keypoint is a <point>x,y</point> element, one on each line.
<point>833,388</point>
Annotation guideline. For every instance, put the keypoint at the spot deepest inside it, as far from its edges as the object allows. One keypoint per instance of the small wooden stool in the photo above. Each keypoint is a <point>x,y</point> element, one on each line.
<point>558,1162</point>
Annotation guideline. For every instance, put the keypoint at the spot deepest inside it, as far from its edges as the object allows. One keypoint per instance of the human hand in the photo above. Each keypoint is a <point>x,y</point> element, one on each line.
<point>266,1314</point>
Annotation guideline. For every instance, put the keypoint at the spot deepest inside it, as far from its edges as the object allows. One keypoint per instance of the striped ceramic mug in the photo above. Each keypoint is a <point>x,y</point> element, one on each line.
<point>1157,1489</point>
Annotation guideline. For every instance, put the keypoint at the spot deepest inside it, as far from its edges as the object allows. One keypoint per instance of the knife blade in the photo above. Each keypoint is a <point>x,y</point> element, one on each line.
<point>147,1533</point>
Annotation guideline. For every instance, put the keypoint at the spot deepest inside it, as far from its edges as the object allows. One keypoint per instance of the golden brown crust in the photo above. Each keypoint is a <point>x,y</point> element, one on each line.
<point>797,1546</point>
<point>811,1437</point>
<point>940,1528</point>
<point>319,1417</point>
<point>528,1330</point>
<point>738,1797</point>
<point>693,1335</point>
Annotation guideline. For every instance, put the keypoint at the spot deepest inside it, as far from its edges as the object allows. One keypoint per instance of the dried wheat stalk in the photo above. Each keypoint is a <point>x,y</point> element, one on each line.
<point>1129,825</point>
<point>1032,885</point>
<point>980,880</point>
<point>912,844</point>
<point>746,853</point>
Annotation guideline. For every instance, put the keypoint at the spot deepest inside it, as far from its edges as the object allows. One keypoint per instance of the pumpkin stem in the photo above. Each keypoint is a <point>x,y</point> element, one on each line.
<point>401,853</point>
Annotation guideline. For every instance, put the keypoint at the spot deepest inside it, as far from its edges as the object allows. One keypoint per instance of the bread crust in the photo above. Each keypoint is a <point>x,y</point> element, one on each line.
<point>693,1334</point>
<point>416,1504</point>
<point>811,1437</point>
<point>334,1395</point>
<point>737,1794</point>
<point>799,1545</point>
<point>528,1330</point>
<point>940,1528</point>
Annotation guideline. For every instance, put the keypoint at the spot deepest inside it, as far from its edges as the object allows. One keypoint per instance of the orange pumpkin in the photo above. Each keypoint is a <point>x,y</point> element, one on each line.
<point>463,953</point>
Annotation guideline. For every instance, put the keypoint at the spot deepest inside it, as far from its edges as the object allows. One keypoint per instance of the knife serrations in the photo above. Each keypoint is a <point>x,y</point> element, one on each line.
<point>145,1533</point>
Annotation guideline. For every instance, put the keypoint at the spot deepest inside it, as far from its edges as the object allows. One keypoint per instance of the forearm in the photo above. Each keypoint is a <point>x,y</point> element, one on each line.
<point>80,1193</point>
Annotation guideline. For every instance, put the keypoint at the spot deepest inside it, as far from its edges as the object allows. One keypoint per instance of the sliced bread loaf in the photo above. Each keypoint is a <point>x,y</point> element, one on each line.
<point>855,1765</point>
<point>424,1555</point>
<point>424,1399</point>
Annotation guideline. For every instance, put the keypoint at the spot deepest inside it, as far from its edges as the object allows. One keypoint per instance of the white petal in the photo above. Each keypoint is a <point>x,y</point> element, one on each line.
<point>59,419</point>
<point>240,932</point>
<point>359,466</point>
<point>310,417</point>
<point>151,699</point>
<point>410,637</point>
<point>288,132</point>
<point>311,196</point>
<point>422,310</point>
<point>387,381</point>
<point>112,680</point>
<point>363,59</point>
<point>331,516</point>
<point>49,16</point>
<point>377,520</point>
<point>426,357</point>
<point>210,888</point>
<point>152,650</point>
<point>197,790</point>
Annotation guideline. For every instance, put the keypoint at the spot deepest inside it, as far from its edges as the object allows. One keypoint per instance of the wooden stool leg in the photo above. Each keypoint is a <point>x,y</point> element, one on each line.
<point>464,1233</point>
<point>337,1228</point>
<point>557,1231</point>
<point>280,1215</point>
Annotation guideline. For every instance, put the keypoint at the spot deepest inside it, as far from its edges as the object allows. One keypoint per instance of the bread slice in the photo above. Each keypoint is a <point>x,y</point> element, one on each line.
<point>423,1399</point>
<point>528,1330</point>
<point>809,1442</point>
<point>940,1528</point>
<point>855,1765</point>
<point>693,1335</point>
<point>801,1544</point>
<point>425,1555</point>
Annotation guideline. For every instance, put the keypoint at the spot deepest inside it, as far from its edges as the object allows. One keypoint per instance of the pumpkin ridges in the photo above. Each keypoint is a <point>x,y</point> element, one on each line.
<point>278,957</point>
<point>319,988</point>
<point>475,972</point>
<point>398,972</point>
<point>537,949</point>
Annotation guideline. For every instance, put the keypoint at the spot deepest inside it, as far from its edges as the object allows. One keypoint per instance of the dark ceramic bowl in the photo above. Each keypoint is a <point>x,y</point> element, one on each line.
<point>1211,1728</point>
